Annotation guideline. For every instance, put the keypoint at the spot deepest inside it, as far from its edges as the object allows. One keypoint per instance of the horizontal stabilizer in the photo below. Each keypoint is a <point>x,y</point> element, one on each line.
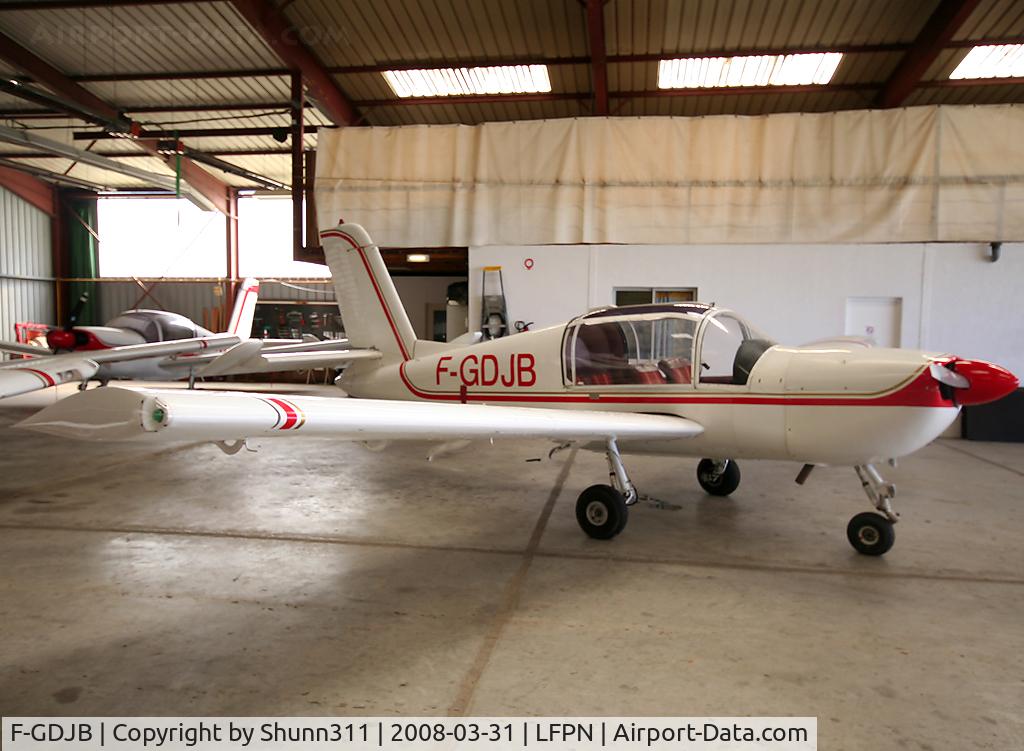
<point>112,413</point>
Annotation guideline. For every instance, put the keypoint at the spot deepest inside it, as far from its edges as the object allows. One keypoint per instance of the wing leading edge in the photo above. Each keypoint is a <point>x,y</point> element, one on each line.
<point>113,414</point>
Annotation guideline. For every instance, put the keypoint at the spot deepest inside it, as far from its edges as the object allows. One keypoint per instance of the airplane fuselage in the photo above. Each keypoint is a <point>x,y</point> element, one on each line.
<point>825,404</point>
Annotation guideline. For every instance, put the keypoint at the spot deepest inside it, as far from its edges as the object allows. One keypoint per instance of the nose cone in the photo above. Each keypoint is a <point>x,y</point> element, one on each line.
<point>60,339</point>
<point>988,382</point>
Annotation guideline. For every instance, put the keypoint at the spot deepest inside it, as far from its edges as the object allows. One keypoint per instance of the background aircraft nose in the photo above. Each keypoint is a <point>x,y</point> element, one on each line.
<point>988,382</point>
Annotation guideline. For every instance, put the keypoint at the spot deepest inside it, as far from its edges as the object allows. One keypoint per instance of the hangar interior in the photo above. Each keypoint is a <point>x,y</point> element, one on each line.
<point>155,153</point>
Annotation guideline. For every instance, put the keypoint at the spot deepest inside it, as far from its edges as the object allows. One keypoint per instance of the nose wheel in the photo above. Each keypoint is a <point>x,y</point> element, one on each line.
<point>871,532</point>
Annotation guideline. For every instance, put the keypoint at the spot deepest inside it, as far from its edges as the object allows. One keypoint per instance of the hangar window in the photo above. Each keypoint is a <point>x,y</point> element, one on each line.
<point>152,237</point>
<point>265,240</point>
<point>645,348</point>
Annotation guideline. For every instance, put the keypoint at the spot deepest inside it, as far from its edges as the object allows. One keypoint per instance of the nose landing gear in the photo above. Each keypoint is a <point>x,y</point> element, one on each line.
<point>871,532</point>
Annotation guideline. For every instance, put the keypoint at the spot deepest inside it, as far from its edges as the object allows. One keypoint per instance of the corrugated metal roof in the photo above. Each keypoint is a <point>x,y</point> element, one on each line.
<point>172,37</point>
<point>212,36</point>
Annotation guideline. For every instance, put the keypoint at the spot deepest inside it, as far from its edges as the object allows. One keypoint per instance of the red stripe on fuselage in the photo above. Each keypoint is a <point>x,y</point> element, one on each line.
<point>922,391</point>
<point>376,288</point>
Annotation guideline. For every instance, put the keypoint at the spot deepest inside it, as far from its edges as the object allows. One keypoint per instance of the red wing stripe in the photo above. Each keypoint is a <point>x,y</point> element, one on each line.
<point>291,413</point>
<point>44,377</point>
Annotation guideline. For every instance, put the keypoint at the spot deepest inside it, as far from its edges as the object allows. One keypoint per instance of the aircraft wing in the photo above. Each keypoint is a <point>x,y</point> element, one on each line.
<point>22,376</point>
<point>116,414</point>
<point>23,349</point>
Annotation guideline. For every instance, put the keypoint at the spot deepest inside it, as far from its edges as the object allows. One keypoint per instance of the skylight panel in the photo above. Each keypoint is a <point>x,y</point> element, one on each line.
<point>498,79</point>
<point>992,61</point>
<point>748,70</point>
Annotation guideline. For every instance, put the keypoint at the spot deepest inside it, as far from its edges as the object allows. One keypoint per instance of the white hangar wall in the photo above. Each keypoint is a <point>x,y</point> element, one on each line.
<point>953,298</point>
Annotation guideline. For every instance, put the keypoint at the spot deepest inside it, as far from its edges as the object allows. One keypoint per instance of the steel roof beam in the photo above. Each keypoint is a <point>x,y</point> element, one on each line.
<point>280,134</point>
<point>598,55</point>
<point>936,33</point>
<point>279,34</point>
<point>78,99</point>
<point>846,49</point>
<point>22,137</point>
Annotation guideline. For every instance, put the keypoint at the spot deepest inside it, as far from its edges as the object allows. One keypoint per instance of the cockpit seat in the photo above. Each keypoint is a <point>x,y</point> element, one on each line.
<point>648,374</point>
<point>746,356</point>
<point>677,370</point>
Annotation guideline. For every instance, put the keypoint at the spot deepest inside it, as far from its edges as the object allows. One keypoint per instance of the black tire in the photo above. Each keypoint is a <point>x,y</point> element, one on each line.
<point>601,512</point>
<point>870,533</point>
<point>723,484</point>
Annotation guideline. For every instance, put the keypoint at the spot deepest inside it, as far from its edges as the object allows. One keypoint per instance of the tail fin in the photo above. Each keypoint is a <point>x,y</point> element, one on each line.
<point>371,310</point>
<point>245,309</point>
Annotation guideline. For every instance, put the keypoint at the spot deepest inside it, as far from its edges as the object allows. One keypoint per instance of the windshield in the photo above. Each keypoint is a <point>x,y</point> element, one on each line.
<point>729,349</point>
<point>158,325</point>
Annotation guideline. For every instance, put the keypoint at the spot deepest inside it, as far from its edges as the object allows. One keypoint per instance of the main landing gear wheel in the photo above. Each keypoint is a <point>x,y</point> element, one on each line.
<point>602,512</point>
<point>870,533</point>
<point>718,477</point>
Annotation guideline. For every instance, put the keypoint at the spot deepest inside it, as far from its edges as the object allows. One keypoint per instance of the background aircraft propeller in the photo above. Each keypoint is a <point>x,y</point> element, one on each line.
<point>65,339</point>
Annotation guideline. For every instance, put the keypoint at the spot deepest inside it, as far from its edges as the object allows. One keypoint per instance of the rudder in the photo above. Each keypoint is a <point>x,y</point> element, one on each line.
<point>371,311</point>
<point>245,309</point>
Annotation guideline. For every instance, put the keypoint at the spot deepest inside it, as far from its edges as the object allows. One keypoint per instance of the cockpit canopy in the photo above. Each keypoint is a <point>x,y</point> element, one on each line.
<point>158,325</point>
<point>658,344</point>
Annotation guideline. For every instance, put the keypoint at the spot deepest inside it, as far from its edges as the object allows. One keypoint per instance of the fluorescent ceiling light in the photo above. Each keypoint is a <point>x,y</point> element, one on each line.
<point>750,70</point>
<point>417,258</point>
<point>499,79</point>
<point>992,61</point>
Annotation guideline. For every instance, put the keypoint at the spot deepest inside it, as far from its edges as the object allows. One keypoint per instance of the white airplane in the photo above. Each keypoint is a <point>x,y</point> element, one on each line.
<point>158,345</point>
<point>669,380</point>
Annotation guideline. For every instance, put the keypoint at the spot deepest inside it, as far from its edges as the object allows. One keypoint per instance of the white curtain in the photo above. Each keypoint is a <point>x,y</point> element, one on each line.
<point>905,175</point>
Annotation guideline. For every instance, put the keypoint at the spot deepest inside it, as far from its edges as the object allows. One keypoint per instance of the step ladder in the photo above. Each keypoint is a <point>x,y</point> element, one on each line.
<point>493,310</point>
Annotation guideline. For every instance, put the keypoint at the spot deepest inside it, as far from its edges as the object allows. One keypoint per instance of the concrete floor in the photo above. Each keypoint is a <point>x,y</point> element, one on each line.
<point>321,578</point>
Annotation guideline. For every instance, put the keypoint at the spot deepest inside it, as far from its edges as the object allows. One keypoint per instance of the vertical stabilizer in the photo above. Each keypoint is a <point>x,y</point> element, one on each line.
<point>371,310</point>
<point>245,309</point>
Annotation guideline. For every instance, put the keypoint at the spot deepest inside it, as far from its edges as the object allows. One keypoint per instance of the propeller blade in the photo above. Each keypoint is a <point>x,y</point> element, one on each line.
<point>76,311</point>
<point>950,377</point>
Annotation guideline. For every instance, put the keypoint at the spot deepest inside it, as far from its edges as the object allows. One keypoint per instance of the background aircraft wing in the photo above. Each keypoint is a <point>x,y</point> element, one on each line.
<point>22,376</point>
<point>23,349</point>
<point>253,356</point>
<point>113,414</point>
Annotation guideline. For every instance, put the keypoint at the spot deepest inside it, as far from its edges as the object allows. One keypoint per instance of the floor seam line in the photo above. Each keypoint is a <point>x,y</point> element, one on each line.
<point>550,554</point>
<point>509,600</point>
<point>980,458</point>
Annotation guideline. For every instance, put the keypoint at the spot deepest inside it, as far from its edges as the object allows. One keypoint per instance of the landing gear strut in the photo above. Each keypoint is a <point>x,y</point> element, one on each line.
<point>603,510</point>
<point>871,532</point>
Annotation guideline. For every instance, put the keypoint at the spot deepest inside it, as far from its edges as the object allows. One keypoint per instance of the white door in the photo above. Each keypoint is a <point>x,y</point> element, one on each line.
<point>876,318</point>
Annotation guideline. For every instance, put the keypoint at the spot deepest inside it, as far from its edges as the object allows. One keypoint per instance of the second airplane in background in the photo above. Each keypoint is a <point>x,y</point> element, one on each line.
<point>157,345</point>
